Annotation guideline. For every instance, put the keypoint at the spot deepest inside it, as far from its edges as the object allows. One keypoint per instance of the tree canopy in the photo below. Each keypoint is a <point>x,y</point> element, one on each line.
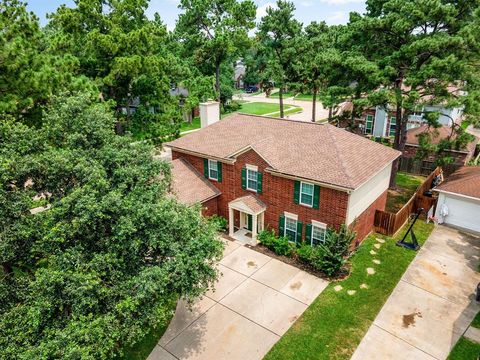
<point>94,270</point>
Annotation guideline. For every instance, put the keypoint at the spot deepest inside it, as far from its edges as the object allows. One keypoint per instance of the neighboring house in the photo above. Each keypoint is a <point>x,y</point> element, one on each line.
<point>460,156</point>
<point>459,199</point>
<point>239,73</point>
<point>297,178</point>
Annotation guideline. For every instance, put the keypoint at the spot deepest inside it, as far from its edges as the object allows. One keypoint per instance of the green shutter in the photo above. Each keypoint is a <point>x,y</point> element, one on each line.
<point>205,167</point>
<point>308,234</point>
<point>299,231</point>
<point>219,170</point>
<point>281,226</point>
<point>296,192</point>
<point>259,182</point>
<point>316,197</point>
<point>244,178</point>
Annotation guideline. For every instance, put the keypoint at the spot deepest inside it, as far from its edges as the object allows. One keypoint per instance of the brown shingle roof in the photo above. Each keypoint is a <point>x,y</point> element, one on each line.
<point>436,135</point>
<point>464,181</point>
<point>319,152</point>
<point>189,186</point>
<point>252,202</point>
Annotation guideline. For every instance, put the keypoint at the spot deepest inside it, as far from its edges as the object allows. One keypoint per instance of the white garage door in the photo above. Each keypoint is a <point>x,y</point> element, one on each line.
<point>462,212</point>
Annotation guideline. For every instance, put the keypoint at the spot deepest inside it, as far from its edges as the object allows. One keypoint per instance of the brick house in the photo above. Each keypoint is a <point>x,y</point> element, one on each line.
<point>297,178</point>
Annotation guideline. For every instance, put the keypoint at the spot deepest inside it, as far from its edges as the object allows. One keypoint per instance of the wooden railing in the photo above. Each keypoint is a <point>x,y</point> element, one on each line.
<point>388,223</point>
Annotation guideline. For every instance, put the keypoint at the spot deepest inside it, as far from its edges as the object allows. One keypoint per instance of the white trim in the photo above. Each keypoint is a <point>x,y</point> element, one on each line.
<point>246,149</point>
<point>209,168</point>
<point>200,155</point>
<point>456,194</point>
<point>290,215</point>
<point>294,218</point>
<point>300,194</point>
<point>247,179</point>
<point>321,184</point>
<point>319,224</point>
<point>252,167</point>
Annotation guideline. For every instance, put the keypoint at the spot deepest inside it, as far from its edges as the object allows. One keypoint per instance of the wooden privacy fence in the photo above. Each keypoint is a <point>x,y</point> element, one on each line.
<point>388,223</point>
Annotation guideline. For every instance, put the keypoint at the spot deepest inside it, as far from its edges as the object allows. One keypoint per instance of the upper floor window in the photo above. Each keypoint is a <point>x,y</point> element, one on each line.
<point>393,126</point>
<point>369,124</point>
<point>252,179</point>
<point>306,194</point>
<point>213,169</point>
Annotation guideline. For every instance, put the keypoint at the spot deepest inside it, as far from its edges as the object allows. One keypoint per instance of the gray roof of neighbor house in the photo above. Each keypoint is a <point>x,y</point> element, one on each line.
<point>318,152</point>
<point>465,181</point>
<point>189,186</point>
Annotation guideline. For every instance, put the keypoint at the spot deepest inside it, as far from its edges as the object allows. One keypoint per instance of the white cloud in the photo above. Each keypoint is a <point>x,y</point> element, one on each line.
<point>337,17</point>
<point>262,10</point>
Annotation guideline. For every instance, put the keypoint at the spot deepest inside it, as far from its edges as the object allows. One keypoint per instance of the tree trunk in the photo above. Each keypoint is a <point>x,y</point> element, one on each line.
<point>314,104</point>
<point>400,130</point>
<point>330,113</point>
<point>217,79</point>
<point>280,97</point>
<point>7,268</point>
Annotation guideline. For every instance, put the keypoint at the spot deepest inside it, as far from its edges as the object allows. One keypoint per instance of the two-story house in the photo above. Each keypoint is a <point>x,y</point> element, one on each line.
<point>297,178</point>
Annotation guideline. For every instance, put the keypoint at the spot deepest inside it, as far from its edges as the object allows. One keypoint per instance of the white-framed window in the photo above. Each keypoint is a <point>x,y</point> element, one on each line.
<point>291,228</point>
<point>369,124</point>
<point>319,231</point>
<point>393,126</point>
<point>306,193</point>
<point>213,169</point>
<point>252,179</point>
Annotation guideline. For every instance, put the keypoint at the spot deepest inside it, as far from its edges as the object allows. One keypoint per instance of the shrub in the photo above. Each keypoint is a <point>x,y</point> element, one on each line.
<point>281,246</point>
<point>219,221</point>
<point>267,238</point>
<point>335,249</point>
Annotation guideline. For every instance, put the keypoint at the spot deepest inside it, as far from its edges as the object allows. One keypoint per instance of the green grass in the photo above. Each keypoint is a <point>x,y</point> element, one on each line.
<point>142,349</point>
<point>406,186</point>
<point>335,323</point>
<point>290,110</point>
<point>286,95</point>
<point>195,124</point>
<point>465,350</point>
<point>306,97</point>
<point>258,108</point>
<point>476,321</point>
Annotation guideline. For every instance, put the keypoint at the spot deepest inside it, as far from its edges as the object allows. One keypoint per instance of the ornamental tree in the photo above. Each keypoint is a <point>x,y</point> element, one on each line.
<point>96,269</point>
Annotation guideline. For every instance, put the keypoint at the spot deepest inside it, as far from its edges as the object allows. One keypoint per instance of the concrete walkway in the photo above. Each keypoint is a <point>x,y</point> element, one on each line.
<point>432,305</point>
<point>254,303</point>
<point>305,115</point>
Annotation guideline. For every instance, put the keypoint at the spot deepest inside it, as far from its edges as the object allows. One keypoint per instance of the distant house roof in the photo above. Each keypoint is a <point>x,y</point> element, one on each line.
<point>317,152</point>
<point>189,186</point>
<point>465,181</point>
<point>437,134</point>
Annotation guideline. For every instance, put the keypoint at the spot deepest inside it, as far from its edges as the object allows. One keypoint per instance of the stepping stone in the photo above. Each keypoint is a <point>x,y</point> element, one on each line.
<point>351,292</point>
<point>377,246</point>
<point>381,241</point>
<point>364,286</point>
<point>338,288</point>
<point>375,261</point>
<point>373,252</point>
<point>370,271</point>
<point>473,334</point>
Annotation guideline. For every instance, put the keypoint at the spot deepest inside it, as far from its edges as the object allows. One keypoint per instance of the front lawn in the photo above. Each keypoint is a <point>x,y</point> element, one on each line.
<point>335,323</point>
<point>186,126</point>
<point>465,350</point>
<point>258,108</point>
<point>407,184</point>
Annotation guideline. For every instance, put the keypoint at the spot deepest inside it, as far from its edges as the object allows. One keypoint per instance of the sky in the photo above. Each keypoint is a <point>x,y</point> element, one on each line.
<point>332,11</point>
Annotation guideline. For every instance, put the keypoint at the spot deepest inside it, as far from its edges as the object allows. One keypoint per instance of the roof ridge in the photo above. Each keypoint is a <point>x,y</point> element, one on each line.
<point>337,150</point>
<point>281,119</point>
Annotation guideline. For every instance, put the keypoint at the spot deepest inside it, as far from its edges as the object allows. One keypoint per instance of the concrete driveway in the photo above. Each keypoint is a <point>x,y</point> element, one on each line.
<point>254,303</point>
<point>432,305</point>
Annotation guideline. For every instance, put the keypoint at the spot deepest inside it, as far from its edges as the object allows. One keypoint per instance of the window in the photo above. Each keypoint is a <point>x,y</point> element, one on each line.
<point>318,234</point>
<point>212,169</point>
<point>306,194</point>
<point>393,126</point>
<point>291,229</point>
<point>369,124</point>
<point>252,179</point>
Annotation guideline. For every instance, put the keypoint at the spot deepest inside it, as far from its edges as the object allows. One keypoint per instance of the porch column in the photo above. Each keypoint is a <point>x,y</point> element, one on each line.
<point>254,229</point>
<point>230,221</point>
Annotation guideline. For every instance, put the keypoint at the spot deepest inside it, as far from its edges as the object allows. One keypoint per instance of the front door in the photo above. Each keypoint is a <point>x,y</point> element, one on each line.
<point>249,222</point>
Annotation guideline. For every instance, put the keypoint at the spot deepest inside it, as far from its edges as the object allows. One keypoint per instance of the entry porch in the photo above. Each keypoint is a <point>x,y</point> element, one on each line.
<point>251,211</point>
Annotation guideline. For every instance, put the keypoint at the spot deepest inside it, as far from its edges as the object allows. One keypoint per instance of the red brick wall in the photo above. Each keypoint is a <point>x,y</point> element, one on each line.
<point>363,225</point>
<point>277,193</point>
<point>210,207</point>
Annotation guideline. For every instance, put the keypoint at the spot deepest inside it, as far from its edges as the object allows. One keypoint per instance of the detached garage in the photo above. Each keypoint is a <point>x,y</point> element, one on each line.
<point>459,199</point>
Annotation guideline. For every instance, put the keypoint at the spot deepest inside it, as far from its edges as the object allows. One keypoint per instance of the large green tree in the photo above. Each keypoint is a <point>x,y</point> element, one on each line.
<point>128,55</point>
<point>29,74</point>
<point>215,32</point>
<point>422,47</point>
<point>279,34</point>
<point>96,269</point>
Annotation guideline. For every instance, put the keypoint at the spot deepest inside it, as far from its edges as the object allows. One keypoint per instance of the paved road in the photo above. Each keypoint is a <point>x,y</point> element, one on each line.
<point>254,303</point>
<point>305,115</point>
<point>431,306</point>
